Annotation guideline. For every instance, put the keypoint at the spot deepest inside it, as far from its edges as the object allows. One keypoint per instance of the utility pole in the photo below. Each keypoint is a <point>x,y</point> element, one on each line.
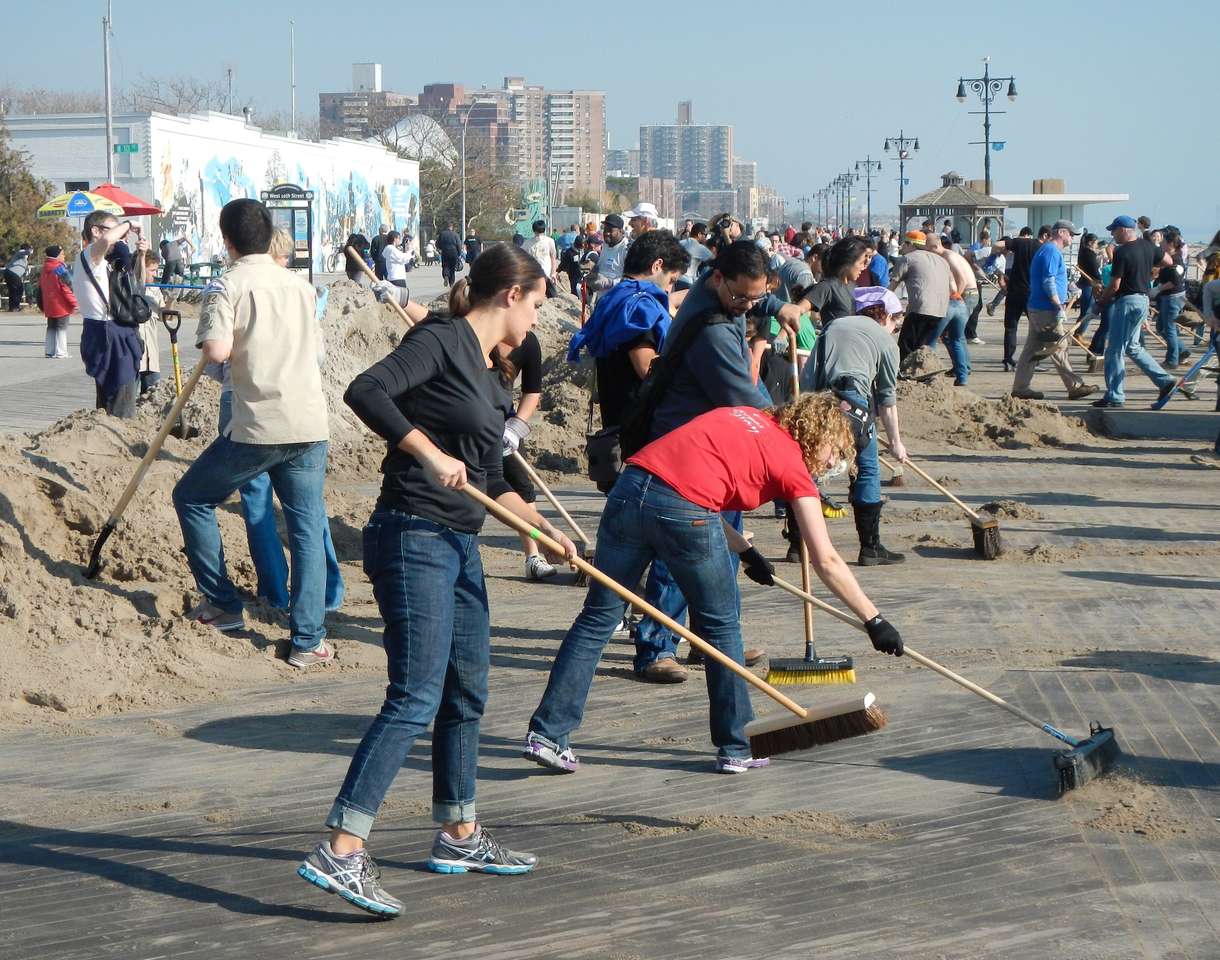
<point>987,87</point>
<point>869,166</point>
<point>229,71</point>
<point>106,24</point>
<point>292,66</point>
<point>901,143</point>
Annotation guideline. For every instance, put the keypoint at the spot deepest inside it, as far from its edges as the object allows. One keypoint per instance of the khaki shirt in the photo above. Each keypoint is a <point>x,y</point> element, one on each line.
<point>277,388</point>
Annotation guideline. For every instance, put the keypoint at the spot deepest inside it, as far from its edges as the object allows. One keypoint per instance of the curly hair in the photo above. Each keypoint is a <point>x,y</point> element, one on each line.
<point>815,421</point>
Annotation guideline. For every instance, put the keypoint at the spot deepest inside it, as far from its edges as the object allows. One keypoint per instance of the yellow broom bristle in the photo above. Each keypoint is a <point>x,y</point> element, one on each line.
<point>780,678</point>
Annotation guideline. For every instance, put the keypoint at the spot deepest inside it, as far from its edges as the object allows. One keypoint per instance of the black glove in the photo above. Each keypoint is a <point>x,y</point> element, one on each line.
<point>758,568</point>
<point>885,637</point>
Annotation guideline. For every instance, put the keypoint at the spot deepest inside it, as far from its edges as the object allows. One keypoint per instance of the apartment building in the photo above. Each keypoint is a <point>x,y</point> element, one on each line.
<point>698,156</point>
<point>365,110</point>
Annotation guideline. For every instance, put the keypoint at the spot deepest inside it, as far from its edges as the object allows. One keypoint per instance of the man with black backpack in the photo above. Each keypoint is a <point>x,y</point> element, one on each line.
<point>112,308</point>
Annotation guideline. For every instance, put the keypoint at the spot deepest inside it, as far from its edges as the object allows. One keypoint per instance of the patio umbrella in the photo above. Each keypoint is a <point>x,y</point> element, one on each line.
<point>77,203</point>
<point>132,205</point>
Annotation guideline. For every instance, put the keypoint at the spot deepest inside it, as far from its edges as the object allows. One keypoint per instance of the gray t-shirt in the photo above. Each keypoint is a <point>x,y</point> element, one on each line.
<point>861,350</point>
<point>928,281</point>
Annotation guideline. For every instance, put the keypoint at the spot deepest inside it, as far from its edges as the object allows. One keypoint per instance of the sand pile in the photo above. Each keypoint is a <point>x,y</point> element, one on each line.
<point>939,412</point>
<point>1123,803</point>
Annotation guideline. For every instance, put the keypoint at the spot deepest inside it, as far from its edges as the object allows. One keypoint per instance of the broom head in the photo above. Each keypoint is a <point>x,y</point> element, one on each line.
<point>986,538</point>
<point>825,724</point>
<point>794,671</point>
<point>1088,760</point>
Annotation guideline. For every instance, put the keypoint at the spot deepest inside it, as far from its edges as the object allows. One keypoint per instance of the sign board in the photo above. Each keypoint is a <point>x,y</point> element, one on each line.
<point>180,216</point>
<point>291,209</point>
<point>126,148</point>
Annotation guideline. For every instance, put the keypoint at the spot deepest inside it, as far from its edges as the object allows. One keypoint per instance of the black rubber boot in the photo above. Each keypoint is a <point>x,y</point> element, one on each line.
<point>792,533</point>
<point>868,528</point>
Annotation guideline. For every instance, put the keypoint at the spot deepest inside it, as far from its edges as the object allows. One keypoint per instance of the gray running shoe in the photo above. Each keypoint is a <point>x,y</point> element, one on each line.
<point>546,753</point>
<point>740,764</point>
<point>357,879</point>
<point>208,613</point>
<point>479,852</point>
<point>303,659</point>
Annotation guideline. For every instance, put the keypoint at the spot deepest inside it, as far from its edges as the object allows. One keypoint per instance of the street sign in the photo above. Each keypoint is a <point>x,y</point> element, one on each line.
<point>126,148</point>
<point>180,216</point>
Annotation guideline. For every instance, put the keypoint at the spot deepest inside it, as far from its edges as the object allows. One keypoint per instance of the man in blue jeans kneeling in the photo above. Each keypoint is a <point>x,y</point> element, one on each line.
<point>260,318</point>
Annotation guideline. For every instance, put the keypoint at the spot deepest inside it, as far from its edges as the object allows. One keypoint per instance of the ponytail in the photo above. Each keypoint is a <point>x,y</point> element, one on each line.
<point>459,298</point>
<point>502,267</point>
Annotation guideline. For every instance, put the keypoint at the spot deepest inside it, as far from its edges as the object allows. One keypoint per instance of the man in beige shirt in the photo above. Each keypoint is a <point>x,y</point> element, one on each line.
<point>260,318</point>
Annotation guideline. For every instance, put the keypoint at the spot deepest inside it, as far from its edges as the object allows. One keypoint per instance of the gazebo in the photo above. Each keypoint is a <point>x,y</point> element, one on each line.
<point>969,210</point>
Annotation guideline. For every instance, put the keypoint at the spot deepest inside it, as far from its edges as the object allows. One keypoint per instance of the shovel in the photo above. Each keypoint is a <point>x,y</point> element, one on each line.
<point>180,429</point>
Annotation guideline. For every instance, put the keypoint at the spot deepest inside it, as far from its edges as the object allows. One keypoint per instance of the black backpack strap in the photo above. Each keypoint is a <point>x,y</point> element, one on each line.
<point>84,260</point>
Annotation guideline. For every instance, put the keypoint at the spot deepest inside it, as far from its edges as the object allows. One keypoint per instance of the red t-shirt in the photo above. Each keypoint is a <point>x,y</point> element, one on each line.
<point>731,458</point>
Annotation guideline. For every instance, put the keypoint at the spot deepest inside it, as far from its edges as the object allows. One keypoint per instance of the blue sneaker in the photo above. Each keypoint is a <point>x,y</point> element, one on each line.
<point>546,753</point>
<point>740,764</point>
<point>356,878</point>
<point>478,852</point>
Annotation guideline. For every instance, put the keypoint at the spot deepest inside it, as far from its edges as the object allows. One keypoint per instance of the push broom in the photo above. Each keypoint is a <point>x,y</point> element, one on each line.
<point>1088,758</point>
<point>768,737</point>
<point>810,669</point>
<point>582,578</point>
<point>986,532</point>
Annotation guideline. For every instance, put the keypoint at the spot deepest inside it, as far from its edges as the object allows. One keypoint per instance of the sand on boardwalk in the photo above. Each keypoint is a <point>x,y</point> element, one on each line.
<point>807,828</point>
<point>1123,803</point>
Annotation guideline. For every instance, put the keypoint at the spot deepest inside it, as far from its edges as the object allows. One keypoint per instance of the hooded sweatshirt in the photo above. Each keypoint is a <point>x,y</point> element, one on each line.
<point>55,285</point>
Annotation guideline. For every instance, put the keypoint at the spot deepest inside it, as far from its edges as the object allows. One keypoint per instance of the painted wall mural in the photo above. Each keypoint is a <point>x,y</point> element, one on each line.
<point>356,187</point>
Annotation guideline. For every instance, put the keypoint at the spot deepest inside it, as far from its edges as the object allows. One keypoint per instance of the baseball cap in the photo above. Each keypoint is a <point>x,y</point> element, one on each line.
<point>613,220</point>
<point>916,237</point>
<point>1122,223</point>
<point>1066,225</point>
<point>643,209</point>
<point>871,296</point>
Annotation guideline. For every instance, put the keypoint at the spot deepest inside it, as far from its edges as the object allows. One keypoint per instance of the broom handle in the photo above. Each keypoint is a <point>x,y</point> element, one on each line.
<point>554,501</point>
<point>923,473</point>
<point>157,442</point>
<point>927,662</point>
<point>510,519</point>
<point>355,257</point>
<point>806,579</point>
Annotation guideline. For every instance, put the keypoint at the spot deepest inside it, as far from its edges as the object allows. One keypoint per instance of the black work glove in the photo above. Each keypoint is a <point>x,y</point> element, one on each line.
<point>757,567</point>
<point>885,636</point>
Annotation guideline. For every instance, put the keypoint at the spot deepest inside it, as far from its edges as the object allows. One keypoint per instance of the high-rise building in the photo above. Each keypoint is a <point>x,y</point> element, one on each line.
<point>364,111</point>
<point>745,178</point>
<point>623,163</point>
<point>698,156</point>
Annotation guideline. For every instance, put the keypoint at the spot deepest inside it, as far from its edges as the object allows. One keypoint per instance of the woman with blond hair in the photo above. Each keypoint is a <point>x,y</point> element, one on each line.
<point>666,505</point>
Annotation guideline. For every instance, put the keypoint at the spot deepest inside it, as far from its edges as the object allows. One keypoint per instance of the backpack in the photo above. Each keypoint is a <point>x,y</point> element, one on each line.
<point>127,306</point>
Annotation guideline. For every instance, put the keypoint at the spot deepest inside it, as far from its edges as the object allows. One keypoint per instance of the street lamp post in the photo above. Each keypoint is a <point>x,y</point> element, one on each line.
<point>465,120</point>
<point>848,179</point>
<point>869,166</point>
<point>901,143</point>
<point>802,201</point>
<point>988,88</point>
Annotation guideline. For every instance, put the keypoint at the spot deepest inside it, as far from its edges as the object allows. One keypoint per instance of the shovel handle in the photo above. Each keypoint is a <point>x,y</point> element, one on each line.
<point>510,519</point>
<point>175,326</point>
<point>355,257</point>
<point>553,500</point>
<point>923,473</point>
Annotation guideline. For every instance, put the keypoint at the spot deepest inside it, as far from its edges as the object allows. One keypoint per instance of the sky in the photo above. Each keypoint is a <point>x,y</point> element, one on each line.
<point>1112,98</point>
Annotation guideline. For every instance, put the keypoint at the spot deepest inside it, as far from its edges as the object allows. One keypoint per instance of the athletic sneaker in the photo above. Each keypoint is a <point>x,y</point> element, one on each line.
<point>740,764</point>
<point>208,613</point>
<point>977,342</point>
<point>479,852</point>
<point>536,568</point>
<point>546,753</point>
<point>303,659</point>
<point>356,878</point>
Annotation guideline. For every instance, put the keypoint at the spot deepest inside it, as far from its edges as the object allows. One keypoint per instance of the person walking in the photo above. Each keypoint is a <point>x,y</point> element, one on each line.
<point>542,248</point>
<point>394,260</point>
<point>667,507</point>
<point>1016,288</point>
<point>963,304</point>
<point>58,302</point>
<point>14,276</point>
<point>1170,296</point>
<point>928,282</point>
<point>434,404</point>
<point>473,245</point>
<point>375,248</point>
<point>1088,262</point>
<point>1047,308</point>
<point>449,246</point>
<point>260,318</point>
<point>1130,282</point>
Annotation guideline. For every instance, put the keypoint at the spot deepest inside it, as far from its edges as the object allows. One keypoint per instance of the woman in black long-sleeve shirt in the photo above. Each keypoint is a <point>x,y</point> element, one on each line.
<point>434,403</point>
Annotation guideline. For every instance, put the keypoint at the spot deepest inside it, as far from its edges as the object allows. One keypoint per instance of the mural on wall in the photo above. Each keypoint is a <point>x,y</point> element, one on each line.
<point>356,188</point>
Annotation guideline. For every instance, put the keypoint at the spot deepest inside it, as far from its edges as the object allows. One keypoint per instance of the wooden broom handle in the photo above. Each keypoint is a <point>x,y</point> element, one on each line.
<point>552,499</point>
<point>510,519</point>
<point>923,473</point>
<point>355,257</point>
<point>157,442</point>
<point>806,577</point>
<point>913,654</point>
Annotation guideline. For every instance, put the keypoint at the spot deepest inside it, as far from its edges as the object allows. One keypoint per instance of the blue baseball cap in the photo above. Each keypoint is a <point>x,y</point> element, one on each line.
<point>1122,222</point>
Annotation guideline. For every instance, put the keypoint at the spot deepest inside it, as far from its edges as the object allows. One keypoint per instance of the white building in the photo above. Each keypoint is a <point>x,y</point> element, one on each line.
<point>192,166</point>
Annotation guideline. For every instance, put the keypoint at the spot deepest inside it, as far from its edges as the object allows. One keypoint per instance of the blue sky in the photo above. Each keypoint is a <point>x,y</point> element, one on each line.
<point>1114,97</point>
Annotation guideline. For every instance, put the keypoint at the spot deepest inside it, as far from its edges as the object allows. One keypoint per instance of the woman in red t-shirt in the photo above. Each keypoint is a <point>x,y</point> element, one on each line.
<point>666,505</point>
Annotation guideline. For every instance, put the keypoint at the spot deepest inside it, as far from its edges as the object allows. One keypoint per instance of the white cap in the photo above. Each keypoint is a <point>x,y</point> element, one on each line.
<point>643,209</point>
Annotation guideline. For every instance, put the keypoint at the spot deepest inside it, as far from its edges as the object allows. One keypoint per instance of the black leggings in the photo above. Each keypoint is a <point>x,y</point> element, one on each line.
<point>1014,306</point>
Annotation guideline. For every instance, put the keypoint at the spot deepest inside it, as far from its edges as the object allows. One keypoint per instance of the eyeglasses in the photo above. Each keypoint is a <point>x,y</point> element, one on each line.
<point>742,298</point>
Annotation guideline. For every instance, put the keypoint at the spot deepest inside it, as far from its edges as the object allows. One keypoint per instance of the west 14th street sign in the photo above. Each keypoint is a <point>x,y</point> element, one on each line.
<point>126,148</point>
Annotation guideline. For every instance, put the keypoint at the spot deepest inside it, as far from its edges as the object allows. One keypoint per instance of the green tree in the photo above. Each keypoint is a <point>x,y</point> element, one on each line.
<point>21,194</point>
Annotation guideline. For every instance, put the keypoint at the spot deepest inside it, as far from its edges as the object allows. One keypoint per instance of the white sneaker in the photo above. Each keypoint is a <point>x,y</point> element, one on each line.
<point>536,568</point>
<point>211,615</point>
<point>977,342</point>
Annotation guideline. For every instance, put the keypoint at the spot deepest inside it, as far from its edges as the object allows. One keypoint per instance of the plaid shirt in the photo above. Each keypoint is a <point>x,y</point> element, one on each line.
<point>785,249</point>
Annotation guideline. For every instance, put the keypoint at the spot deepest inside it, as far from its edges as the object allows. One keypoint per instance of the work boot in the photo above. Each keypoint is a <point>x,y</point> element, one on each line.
<point>666,670</point>
<point>868,528</point>
<point>792,533</point>
<point>749,656</point>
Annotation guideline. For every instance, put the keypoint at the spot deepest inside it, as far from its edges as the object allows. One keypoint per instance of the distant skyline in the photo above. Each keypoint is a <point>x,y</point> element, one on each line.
<point>1104,104</point>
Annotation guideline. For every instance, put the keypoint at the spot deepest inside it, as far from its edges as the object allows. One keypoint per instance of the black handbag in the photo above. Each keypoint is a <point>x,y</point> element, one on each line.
<point>125,305</point>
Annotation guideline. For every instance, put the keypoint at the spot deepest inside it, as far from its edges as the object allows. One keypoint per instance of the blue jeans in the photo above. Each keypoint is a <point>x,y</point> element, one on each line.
<point>1086,304</point>
<point>953,327</point>
<point>1097,346</point>
<point>646,519</point>
<point>298,474</point>
<point>866,487</point>
<point>653,641</point>
<point>266,551</point>
<point>428,581</point>
<point>1126,321</point>
<point>1168,309</point>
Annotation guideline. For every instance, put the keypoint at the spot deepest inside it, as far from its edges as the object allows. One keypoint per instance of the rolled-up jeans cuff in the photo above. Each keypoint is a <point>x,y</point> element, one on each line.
<point>460,811</point>
<point>350,820</point>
